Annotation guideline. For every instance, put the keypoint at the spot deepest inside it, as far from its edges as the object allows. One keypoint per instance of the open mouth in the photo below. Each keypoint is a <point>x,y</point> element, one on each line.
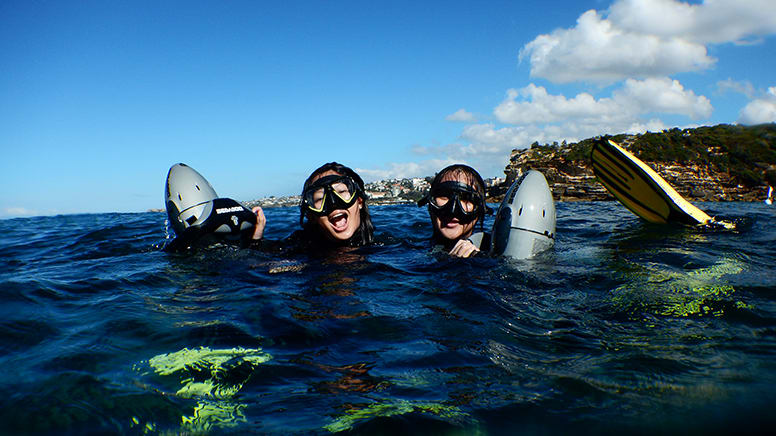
<point>339,221</point>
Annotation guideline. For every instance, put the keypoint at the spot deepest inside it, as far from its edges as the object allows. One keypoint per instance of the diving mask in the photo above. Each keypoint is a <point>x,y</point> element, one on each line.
<point>330,193</point>
<point>455,200</point>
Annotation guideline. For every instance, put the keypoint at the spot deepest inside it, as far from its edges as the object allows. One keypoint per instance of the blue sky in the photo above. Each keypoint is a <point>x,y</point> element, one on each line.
<point>99,98</point>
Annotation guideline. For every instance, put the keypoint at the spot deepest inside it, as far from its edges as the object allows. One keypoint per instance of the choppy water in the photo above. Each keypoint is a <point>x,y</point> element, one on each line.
<point>624,326</point>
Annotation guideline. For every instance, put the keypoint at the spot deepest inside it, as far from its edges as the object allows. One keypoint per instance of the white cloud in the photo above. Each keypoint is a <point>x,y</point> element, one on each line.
<point>597,51</point>
<point>405,169</point>
<point>652,125</point>
<point>712,22</point>
<point>18,211</point>
<point>533,105</point>
<point>487,139</point>
<point>742,87</point>
<point>760,110</point>
<point>461,115</point>
<point>646,38</point>
<point>663,95</point>
<point>537,106</point>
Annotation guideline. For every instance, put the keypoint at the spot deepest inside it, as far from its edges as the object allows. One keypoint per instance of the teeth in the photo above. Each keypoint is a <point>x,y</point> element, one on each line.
<point>336,217</point>
<point>339,221</point>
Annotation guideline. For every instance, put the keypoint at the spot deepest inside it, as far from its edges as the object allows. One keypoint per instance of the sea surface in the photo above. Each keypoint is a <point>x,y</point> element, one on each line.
<point>624,326</point>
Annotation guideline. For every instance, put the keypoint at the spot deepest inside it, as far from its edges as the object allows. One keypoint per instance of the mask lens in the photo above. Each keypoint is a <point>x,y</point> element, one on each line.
<point>440,200</point>
<point>343,190</point>
<point>467,202</point>
<point>330,193</point>
<point>316,198</point>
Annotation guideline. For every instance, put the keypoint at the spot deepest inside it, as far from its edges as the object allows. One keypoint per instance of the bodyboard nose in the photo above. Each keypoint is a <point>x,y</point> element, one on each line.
<point>186,196</point>
<point>525,222</point>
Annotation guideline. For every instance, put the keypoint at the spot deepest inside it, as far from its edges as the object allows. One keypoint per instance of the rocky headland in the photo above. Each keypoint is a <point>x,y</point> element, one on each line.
<point>720,163</point>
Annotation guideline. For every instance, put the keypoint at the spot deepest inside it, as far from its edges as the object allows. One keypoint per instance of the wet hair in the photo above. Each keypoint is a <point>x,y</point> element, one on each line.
<point>364,235</point>
<point>472,177</point>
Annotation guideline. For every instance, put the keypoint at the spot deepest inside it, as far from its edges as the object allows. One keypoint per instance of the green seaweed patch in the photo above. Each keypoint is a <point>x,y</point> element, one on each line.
<point>704,302</point>
<point>210,373</point>
<point>695,293</point>
<point>208,388</point>
<point>213,377</point>
<point>394,408</point>
<point>205,358</point>
<point>213,414</point>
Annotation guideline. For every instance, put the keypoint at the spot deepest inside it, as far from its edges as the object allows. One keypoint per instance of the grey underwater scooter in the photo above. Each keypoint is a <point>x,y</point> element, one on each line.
<point>198,216</point>
<point>524,225</point>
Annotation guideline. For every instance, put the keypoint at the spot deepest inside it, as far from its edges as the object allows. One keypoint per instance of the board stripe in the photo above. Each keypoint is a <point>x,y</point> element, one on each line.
<point>603,164</point>
<point>639,188</point>
<point>614,163</point>
<point>633,204</point>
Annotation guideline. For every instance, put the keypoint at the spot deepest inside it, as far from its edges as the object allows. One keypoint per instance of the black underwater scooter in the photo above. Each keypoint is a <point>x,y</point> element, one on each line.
<point>198,216</point>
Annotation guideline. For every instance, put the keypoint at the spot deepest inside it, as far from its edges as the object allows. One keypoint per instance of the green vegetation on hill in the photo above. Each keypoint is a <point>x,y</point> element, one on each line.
<point>748,153</point>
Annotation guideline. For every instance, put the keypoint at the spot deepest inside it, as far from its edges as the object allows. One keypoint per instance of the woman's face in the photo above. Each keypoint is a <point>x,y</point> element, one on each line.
<point>451,228</point>
<point>340,224</point>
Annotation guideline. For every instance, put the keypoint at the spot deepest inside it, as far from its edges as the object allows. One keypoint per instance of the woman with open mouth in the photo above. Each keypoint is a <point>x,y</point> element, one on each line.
<point>334,203</point>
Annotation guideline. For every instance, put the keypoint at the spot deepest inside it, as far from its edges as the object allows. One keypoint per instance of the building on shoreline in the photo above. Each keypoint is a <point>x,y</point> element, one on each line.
<point>391,191</point>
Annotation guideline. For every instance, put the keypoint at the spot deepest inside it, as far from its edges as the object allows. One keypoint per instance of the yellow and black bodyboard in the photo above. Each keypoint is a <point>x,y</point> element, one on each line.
<point>639,188</point>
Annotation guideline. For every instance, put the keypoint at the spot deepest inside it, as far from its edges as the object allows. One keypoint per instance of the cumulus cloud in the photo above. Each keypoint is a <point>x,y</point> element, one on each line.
<point>645,38</point>
<point>461,115</point>
<point>533,104</point>
<point>663,95</point>
<point>597,51</point>
<point>760,110</point>
<point>711,22</point>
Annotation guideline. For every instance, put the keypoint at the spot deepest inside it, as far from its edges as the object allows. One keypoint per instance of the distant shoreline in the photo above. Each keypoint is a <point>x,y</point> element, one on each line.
<point>272,202</point>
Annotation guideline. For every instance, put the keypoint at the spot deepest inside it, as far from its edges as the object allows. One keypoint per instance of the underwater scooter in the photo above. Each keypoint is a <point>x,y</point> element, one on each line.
<point>198,216</point>
<point>524,225</point>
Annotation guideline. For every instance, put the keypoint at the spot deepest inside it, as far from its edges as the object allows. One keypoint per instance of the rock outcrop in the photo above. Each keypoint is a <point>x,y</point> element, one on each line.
<point>571,178</point>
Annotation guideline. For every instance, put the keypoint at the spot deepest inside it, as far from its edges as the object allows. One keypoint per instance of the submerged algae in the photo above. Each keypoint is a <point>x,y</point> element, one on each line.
<point>669,293</point>
<point>393,408</point>
<point>210,376</point>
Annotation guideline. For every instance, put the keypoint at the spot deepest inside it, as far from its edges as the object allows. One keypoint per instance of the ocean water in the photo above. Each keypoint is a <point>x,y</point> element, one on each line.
<point>623,326</point>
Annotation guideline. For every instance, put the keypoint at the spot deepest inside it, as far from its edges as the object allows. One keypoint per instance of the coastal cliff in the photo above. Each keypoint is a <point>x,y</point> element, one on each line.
<point>720,163</point>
